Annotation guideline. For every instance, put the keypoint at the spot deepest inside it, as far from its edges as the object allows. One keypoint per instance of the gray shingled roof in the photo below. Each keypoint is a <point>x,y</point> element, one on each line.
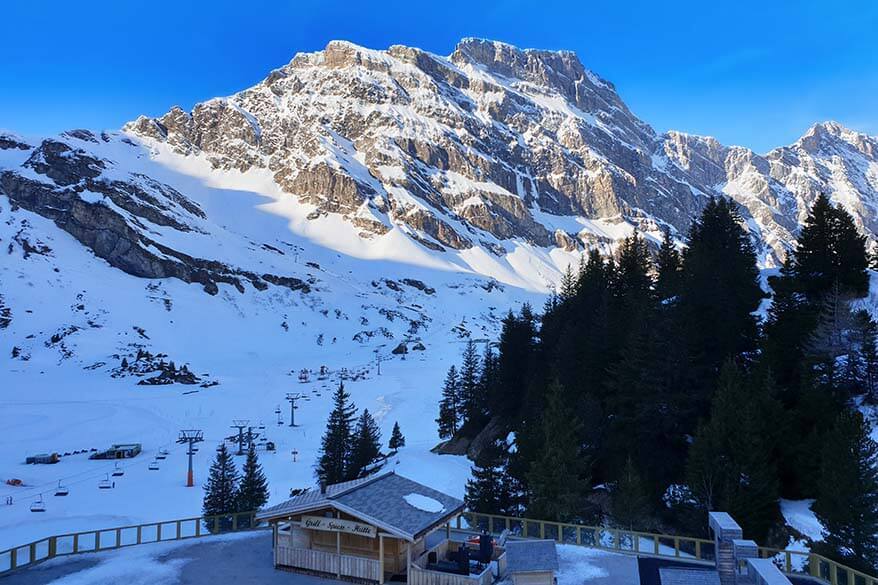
<point>684,576</point>
<point>378,499</point>
<point>531,556</point>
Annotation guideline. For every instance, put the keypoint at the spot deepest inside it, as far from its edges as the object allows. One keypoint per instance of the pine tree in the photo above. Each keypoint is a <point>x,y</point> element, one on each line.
<point>449,407</point>
<point>630,501</point>
<point>336,446</point>
<point>568,285</point>
<point>470,401</point>
<point>488,490</point>
<point>220,491</point>
<point>252,491</point>
<point>513,366</point>
<point>488,379</point>
<point>397,440</point>
<point>720,285</point>
<point>847,500</point>
<point>366,446</point>
<point>560,476</point>
<point>830,251</point>
<point>668,266</point>
<point>867,330</point>
<point>730,463</point>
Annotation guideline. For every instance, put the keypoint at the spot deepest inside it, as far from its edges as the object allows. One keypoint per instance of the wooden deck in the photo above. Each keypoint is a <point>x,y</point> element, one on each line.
<point>418,573</point>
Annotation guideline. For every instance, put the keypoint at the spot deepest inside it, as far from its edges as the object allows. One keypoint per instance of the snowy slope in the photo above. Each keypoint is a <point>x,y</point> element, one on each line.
<point>74,316</point>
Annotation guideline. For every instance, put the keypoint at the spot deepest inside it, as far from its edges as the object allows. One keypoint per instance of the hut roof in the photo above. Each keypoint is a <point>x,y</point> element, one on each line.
<point>395,503</point>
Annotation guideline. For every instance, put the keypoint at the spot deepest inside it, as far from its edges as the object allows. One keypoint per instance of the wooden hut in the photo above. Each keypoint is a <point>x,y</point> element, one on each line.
<point>531,562</point>
<point>368,529</point>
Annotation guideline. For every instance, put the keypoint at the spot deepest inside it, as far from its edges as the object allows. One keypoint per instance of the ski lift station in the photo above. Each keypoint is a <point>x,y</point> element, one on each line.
<point>121,451</point>
<point>376,529</point>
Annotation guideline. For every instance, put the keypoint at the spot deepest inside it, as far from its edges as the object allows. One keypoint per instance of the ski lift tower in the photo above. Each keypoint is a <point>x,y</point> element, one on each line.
<point>292,397</point>
<point>190,436</point>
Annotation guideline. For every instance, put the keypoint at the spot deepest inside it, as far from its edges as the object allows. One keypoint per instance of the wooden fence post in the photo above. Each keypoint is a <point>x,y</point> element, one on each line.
<point>53,546</point>
<point>13,558</point>
<point>560,533</point>
<point>97,540</point>
<point>542,530</point>
<point>179,530</point>
<point>76,543</point>
<point>158,532</point>
<point>118,537</point>
<point>139,534</point>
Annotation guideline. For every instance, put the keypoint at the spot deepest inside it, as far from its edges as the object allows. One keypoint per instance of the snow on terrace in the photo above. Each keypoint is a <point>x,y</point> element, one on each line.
<point>245,559</point>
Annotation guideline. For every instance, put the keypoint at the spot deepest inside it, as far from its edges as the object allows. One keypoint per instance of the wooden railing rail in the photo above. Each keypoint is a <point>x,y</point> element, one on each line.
<point>122,536</point>
<point>662,545</point>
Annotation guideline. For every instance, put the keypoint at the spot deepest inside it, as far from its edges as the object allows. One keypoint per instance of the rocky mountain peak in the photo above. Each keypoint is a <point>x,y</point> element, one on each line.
<point>829,136</point>
<point>495,144</point>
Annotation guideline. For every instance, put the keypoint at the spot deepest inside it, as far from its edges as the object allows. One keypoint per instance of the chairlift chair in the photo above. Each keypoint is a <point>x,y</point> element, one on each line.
<point>105,483</point>
<point>118,472</point>
<point>61,490</point>
<point>154,466</point>
<point>162,454</point>
<point>38,505</point>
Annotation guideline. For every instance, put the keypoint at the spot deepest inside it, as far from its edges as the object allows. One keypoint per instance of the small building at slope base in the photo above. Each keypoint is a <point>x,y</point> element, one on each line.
<point>376,529</point>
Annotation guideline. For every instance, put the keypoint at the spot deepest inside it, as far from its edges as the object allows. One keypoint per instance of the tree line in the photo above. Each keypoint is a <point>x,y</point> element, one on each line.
<point>654,386</point>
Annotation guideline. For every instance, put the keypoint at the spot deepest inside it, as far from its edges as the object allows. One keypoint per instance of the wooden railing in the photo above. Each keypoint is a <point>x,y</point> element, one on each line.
<point>123,536</point>
<point>614,539</point>
<point>814,565</point>
<point>662,545</point>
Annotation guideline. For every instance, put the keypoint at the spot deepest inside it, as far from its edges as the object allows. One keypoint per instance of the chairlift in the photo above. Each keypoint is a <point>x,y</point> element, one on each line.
<point>163,454</point>
<point>118,472</point>
<point>105,483</point>
<point>61,490</point>
<point>38,505</point>
<point>154,466</point>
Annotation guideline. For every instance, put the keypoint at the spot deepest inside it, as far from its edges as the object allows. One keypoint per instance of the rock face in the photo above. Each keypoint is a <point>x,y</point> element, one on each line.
<point>117,218</point>
<point>490,147</point>
<point>492,140</point>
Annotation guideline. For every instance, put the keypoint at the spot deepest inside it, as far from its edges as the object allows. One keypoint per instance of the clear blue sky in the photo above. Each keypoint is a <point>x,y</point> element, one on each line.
<point>750,73</point>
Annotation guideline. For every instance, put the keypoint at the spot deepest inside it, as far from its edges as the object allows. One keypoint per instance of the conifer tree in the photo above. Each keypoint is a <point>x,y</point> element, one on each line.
<point>488,492</point>
<point>567,290</point>
<point>668,264</point>
<point>720,285</point>
<point>560,476</point>
<point>488,379</point>
<point>469,387</point>
<point>252,491</point>
<point>449,406</point>
<point>867,331</point>
<point>730,463</point>
<point>630,501</point>
<point>220,490</point>
<point>513,367</point>
<point>366,446</point>
<point>336,446</point>
<point>847,499</point>
<point>830,251</point>
<point>397,440</point>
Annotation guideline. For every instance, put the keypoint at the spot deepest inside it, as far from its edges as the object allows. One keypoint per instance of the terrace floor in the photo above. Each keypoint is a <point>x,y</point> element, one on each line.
<point>245,558</point>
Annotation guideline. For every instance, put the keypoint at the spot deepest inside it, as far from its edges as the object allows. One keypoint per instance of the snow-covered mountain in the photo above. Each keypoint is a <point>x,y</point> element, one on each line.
<point>354,203</point>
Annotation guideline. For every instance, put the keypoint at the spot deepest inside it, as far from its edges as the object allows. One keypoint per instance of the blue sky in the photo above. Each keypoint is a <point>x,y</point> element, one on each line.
<point>750,73</point>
